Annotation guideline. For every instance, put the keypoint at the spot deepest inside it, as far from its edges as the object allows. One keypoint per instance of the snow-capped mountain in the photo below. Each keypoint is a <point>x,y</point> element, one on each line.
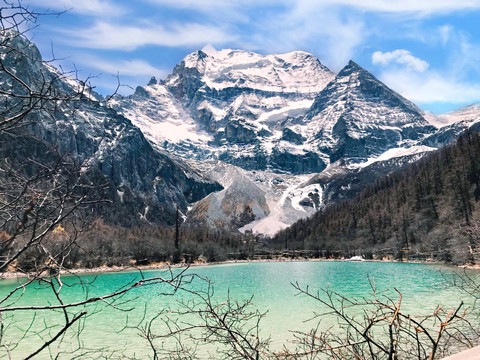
<point>245,141</point>
<point>357,117</point>
<point>234,105</point>
<point>294,72</point>
<point>295,135</point>
<point>143,183</point>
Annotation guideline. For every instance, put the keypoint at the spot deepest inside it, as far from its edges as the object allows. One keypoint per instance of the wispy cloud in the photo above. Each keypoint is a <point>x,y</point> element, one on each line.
<point>400,56</point>
<point>105,35</point>
<point>211,5</point>
<point>423,7</point>
<point>431,87</point>
<point>465,59</point>
<point>134,67</point>
<point>105,8</point>
<point>445,33</point>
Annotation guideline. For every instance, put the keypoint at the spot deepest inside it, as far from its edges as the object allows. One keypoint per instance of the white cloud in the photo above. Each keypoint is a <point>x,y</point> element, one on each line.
<point>414,8</point>
<point>134,67</point>
<point>400,56</point>
<point>431,87</point>
<point>104,35</point>
<point>445,32</point>
<point>105,8</point>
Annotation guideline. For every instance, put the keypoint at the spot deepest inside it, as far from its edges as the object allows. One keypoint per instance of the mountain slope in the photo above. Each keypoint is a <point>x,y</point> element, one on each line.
<point>356,116</point>
<point>144,184</point>
<point>258,201</point>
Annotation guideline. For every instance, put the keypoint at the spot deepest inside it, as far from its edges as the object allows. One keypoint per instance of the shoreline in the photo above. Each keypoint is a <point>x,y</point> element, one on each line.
<point>166,266</point>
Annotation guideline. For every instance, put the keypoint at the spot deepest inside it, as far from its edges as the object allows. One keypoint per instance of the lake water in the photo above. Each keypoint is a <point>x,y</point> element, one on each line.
<point>423,286</point>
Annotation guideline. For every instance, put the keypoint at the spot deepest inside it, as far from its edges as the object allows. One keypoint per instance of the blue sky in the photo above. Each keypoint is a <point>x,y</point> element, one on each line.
<point>428,50</point>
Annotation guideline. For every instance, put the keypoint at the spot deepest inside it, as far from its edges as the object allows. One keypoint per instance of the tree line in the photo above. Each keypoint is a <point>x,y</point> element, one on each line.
<point>107,245</point>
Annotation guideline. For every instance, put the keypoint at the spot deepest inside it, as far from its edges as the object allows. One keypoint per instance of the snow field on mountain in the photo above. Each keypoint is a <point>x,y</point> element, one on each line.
<point>397,152</point>
<point>291,72</point>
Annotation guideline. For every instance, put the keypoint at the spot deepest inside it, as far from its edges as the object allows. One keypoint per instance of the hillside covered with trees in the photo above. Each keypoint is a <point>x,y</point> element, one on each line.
<point>428,210</point>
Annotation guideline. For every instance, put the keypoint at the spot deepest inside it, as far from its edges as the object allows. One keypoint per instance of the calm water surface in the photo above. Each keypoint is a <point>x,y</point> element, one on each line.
<point>423,287</point>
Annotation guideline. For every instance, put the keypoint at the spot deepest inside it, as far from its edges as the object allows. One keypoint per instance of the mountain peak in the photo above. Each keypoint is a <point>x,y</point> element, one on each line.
<point>295,72</point>
<point>153,81</point>
<point>195,60</point>
<point>359,116</point>
<point>357,84</point>
<point>353,68</point>
<point>352,63</point>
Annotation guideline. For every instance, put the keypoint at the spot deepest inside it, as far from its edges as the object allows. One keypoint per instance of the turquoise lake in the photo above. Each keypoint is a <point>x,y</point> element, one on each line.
<point>423,286</point>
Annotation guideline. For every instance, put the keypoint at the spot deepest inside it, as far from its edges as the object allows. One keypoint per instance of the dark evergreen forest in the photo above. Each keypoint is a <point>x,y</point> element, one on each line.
<point>428,210</point>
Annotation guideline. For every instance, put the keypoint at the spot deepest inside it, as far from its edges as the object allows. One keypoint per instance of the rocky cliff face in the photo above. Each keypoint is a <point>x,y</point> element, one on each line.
<point>233,106</point>
<point>257,201</point>
<point>144,183</point>
<point>240,203</point>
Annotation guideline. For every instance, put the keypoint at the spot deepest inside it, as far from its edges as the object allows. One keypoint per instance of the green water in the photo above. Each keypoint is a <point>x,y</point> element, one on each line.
<point>423,288</point>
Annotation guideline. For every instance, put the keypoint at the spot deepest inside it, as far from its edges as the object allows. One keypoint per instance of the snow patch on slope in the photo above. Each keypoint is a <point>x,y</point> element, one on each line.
<point>293,109</point>
<point>398,152</point>
<point>161,117</point>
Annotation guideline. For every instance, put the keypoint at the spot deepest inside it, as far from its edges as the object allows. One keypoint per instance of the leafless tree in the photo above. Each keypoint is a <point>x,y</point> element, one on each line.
<point>45,202</point>
<point>468,282</point>
<point>204,326</point>
<point>201,326</point>
<point>379,328</point>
